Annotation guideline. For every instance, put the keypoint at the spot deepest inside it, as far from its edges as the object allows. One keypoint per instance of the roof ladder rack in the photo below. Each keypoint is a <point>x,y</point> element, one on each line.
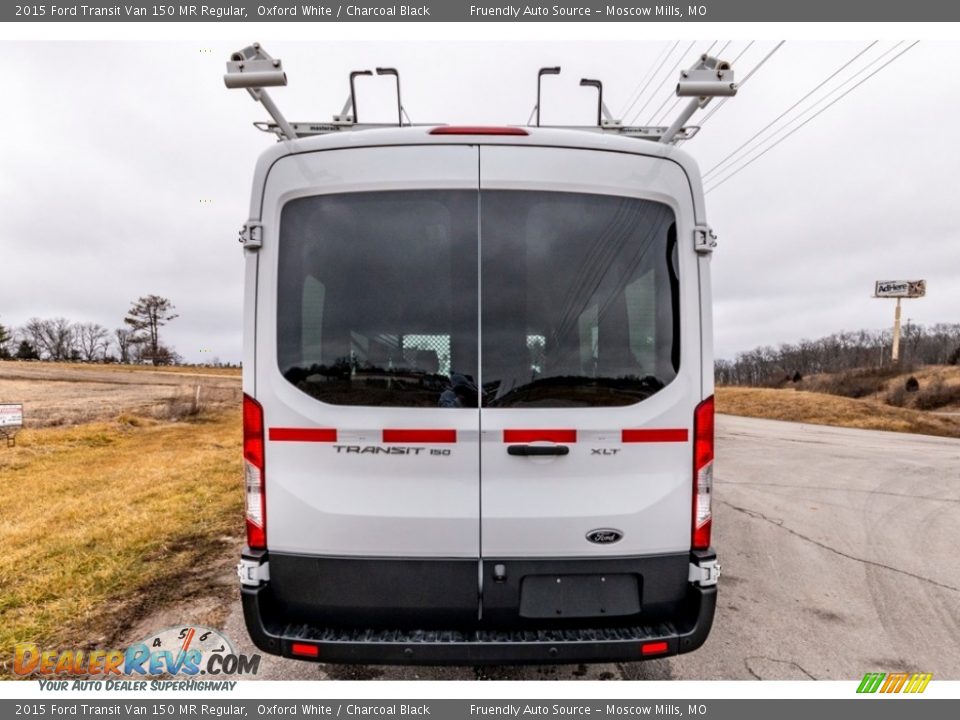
<point>254,70</point>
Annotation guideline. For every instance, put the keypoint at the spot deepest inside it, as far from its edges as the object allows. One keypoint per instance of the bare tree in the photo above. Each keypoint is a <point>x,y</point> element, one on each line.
<point>145,317</point>
<point>54,338</point>
<point>5,337</point>
<point>841,352</point>
<point>92,341</point>
<point>125,341</point>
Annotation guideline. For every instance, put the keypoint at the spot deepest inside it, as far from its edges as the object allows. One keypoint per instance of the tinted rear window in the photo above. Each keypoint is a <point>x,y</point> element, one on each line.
<point>377,301</point>
<point>378,298</point>
<point>580,296</point>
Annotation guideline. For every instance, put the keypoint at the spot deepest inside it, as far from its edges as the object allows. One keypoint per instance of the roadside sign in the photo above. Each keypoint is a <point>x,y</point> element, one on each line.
<point>11,415</point>
<point>900,288</point>
<point>11,420</point>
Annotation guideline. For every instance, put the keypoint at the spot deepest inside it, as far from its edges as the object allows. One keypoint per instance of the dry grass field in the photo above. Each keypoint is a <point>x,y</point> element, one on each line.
<point>823,409</point>
<point>70,393</point>
<point>119,495</point>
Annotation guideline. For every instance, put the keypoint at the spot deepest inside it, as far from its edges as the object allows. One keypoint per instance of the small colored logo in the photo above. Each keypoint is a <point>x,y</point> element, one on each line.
<point>894,682</point>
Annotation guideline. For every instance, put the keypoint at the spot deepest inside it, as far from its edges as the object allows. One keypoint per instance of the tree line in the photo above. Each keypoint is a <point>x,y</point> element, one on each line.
<point>919,345</point>
<point>59,339</point>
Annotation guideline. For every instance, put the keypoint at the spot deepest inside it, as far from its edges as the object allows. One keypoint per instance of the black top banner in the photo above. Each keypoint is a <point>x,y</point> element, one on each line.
<point>480,11</point>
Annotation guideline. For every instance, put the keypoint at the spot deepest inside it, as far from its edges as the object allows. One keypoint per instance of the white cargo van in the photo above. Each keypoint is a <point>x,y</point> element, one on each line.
<point>478,377</point>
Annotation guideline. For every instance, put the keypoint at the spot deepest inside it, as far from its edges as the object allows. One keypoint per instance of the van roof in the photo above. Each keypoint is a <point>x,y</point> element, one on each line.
<point>586,139</point>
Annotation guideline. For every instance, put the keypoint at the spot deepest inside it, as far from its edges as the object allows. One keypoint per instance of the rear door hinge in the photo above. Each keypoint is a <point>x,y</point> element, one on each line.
<point>253,572</point>
<point>705,573</point>
<point>704,239</point>
<point>251,235</point>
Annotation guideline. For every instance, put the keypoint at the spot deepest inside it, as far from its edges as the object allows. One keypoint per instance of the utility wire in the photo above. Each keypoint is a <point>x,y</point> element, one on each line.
<point>666,78</point>
<point>742,52</point>
<point>820,101</point>
<point>649,80</point>
<point>831,104</point>
<point>636,91</point>
<point>784,113</point>
<point>743,82</point>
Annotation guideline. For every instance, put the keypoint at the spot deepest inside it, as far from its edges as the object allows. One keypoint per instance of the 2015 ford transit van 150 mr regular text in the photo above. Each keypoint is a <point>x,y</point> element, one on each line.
<point>478,377</point>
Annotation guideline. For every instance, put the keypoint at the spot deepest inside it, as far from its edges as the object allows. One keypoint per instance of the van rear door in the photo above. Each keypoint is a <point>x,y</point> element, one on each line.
<point>367,356</point>
<point>590,355</point>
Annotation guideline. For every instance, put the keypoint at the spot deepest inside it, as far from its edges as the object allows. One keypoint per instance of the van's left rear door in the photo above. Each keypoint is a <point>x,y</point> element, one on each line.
<point>366,362</point>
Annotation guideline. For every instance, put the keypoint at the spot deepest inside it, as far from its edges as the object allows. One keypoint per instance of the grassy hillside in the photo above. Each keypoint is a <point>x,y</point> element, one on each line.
<point>824,409</point>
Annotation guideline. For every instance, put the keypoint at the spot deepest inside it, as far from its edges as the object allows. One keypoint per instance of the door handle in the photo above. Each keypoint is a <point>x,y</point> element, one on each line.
<point>531,450</point>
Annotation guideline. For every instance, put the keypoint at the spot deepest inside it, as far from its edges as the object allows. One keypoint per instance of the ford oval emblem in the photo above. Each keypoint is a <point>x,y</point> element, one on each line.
<point>604,536</point>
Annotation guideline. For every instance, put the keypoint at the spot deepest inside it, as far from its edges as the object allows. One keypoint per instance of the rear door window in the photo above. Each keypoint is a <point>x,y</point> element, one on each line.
<point>377,299</point>
<point>580,299</point>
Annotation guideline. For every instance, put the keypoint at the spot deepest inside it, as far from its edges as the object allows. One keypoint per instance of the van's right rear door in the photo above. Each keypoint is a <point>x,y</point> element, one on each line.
<point>590,355</point>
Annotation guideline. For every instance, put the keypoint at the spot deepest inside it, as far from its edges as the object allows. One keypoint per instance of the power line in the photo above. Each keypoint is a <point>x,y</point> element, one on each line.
<point>740,55</point>
<point>781,115</point>
<point>649,80</point>
<point>636,90</point>
<point>666,78</point>
<point>823,99</point>
<point>831,104</point>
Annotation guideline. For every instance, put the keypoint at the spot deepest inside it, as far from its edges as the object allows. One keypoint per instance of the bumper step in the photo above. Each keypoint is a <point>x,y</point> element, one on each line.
<point>306,633</point>
<point>479,646</point>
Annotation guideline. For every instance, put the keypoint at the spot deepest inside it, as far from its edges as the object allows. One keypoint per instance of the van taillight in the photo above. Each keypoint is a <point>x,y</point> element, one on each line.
<point>253,476</point>
<point>702,474</point>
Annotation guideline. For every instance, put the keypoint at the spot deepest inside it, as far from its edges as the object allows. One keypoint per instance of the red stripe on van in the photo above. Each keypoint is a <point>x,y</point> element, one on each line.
<point>655,435</point>
<point>404,435</point>
<point>526,436</point>
<point>303,434</point>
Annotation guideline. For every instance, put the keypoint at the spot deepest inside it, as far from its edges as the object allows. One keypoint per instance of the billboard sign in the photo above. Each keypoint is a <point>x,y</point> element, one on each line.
<point>900,288</point>
<point>11,416</point>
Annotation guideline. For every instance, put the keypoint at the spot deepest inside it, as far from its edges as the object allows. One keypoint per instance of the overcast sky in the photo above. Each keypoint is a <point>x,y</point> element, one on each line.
<point>126,170</point>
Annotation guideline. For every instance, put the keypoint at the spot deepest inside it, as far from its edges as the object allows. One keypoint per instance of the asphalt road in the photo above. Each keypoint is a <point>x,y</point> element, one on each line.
<point>840,556</point>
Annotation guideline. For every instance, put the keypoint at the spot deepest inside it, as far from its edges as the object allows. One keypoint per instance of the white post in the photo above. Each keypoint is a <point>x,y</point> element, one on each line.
<point>895,355</point>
